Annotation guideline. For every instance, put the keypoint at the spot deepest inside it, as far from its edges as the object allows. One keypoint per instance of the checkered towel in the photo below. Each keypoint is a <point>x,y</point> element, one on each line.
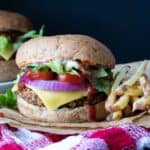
<point>126,137</point>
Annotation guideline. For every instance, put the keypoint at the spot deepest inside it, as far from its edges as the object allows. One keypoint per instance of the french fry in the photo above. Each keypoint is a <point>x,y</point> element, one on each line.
<point>114,116</point>
<point>129,90</point>
<point>112,96</point>
<point>121,74</point>
<point>142,103</point>
<point>131,81</point>
<point>121,103</point>
<point>134,91</point>
<point>133,99</point>
<point>117,115</point>
<point>121,90</point>
<point>145,85</point>
<point>110,101</point>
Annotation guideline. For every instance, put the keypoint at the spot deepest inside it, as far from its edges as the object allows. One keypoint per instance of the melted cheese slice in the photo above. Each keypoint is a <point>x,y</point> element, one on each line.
<point>54,99</point>
<point>7,53</point>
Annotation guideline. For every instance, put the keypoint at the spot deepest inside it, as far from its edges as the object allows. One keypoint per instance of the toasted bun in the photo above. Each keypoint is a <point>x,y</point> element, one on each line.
<point>65,47</point>
<point>14,21</point>
<point>79,114</point>
<point>8,70</point>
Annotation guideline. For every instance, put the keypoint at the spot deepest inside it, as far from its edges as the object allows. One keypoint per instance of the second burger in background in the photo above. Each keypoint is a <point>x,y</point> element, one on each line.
<point>64,78</point>
<point>13,27</point>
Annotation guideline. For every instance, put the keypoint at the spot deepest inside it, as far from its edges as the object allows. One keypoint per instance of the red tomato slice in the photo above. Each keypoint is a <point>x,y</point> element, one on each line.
<point>39,75</point>
<point>70,78</point>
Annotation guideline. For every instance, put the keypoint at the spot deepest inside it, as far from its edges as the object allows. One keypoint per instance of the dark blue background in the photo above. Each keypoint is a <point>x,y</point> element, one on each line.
<point>123,25</point>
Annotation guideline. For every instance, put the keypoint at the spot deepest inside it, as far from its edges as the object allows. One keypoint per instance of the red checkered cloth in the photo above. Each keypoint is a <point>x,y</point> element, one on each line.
<point>126,137</point>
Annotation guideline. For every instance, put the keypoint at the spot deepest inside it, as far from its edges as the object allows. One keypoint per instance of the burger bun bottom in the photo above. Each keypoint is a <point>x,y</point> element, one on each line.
<point>8,70</point>
<point>63,115</point>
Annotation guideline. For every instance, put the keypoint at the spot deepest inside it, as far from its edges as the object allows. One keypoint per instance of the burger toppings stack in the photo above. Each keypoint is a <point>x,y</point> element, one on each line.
<point>62,84</point>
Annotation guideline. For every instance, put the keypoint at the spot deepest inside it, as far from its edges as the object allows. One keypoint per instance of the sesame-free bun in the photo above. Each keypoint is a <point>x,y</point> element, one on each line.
<point>14,22</point>
<point>8,70</point>
<point>65,47</point>
<point>78,114</point>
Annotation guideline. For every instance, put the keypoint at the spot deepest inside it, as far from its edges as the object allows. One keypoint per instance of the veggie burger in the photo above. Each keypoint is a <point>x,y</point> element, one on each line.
<point>12,25</point>
<point>64,78</point>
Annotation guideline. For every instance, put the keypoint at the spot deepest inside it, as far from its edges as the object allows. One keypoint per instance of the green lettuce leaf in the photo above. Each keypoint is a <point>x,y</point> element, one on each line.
<point>5,43</point>
<point>29,35</point>
<point>72,71</point>
<point>101,80</point>
<point>56,66</point>
<point>109,72</point>
<point>70,67</point>
<point>100,73</point>
<point>60,67</point>
<point>32,34</point>
<point>102,85</point>
<point>36,67</point>
<point>8,100</point>
<point>6,47</point>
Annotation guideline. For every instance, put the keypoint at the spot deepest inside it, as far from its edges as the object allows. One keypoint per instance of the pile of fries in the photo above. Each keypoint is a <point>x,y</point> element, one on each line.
<point>130,96</point>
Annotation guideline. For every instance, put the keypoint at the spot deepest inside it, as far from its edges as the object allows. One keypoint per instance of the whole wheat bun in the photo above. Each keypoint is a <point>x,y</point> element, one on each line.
<point>65,47</point>
<point>8,70</point>
<point>14,21</point>
<point>79,114</point>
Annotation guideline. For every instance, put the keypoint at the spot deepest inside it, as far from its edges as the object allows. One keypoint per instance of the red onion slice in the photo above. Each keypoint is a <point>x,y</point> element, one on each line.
<point>54,85</point>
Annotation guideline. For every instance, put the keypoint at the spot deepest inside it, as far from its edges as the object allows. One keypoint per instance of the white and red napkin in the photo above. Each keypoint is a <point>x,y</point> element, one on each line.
<point>126,137</point>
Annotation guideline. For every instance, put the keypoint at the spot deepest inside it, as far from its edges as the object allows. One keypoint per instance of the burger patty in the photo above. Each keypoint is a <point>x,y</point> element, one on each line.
<point>86,101</point>
<point>30,96</point>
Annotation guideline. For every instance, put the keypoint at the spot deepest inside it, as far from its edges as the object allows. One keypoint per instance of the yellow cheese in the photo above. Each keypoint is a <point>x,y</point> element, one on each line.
<point>54,99</point>
<point>7,53</point>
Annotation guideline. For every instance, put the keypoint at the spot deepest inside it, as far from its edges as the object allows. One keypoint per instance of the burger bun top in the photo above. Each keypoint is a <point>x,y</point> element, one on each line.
<point>14,22</point>
<point>65,47</point>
